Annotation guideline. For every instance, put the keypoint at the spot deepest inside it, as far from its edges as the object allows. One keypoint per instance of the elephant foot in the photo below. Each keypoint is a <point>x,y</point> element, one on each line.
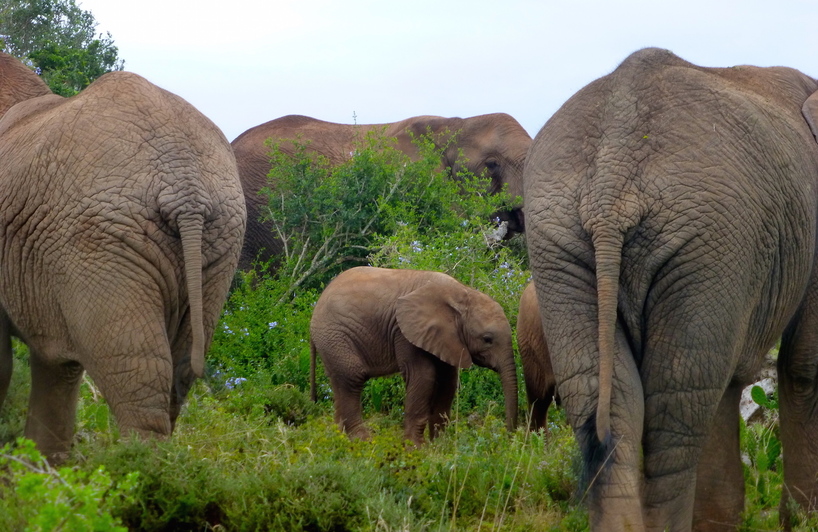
<point>359,432</point>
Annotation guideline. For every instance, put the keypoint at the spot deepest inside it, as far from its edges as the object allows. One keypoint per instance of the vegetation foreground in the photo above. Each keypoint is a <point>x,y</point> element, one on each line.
<point>251,452</point>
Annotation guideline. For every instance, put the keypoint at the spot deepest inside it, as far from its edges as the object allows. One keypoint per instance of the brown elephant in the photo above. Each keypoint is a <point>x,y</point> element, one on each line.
<point>540,384</point>
<point>671,216</point>
<point>121,225</point>
<point>494,143</point>
<point>372,322</point>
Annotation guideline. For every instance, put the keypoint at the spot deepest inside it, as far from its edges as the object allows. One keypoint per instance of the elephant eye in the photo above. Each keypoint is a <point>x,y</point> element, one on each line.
<point>488,339</point>
<point>491,165</point>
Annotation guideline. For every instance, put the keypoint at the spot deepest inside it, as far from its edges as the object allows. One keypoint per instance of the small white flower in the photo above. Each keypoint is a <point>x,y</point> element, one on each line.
<point>273,324</point>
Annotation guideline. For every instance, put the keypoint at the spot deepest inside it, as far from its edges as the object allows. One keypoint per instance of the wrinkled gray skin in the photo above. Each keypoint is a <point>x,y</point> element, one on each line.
<point>372,322</point>
<point>672,208</point>
<point>18,83</point>
<point>540,384</point>
<point>121,223</point>
<point>494,143</point>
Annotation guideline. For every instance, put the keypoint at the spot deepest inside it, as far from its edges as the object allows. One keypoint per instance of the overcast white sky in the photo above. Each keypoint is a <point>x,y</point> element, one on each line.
<point>243,62</point>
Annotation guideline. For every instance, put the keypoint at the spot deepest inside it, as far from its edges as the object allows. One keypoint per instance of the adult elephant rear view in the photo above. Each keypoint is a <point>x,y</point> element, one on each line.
<point>494,143</point>
<point>121,223</point>
<point>671,225</point>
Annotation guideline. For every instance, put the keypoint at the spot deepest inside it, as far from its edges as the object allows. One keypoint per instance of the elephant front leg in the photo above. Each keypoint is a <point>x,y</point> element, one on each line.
<point>442,398</point>
<point>719,477</point>
<point>420,375</point>
<point>53,406</point>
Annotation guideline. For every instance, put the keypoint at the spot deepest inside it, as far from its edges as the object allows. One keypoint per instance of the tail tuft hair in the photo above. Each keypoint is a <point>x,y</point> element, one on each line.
<point>596,455</point>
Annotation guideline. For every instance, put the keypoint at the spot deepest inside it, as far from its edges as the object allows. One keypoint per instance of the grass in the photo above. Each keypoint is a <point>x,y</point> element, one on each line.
<point>259,457</point>
<point>262,458</point>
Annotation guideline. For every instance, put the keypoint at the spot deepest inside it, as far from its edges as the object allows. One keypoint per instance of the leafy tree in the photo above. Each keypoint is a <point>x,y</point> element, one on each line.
<point>59,40</point>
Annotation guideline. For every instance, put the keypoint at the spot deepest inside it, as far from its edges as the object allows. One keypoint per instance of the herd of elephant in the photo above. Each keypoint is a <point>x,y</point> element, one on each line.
<point>671,218</point>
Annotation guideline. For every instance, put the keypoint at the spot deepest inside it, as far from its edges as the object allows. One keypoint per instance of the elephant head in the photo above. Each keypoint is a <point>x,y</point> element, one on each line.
<point>494,145</point>
<point>18,83</point>
<point>462,326</point>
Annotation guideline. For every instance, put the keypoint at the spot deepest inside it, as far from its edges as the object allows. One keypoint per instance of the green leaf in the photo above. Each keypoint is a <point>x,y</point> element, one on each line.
<point>759,396</point>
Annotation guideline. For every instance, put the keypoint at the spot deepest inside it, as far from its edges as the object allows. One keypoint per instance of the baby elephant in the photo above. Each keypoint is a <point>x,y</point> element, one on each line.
<point>372,322</point>
<point>540,384</point>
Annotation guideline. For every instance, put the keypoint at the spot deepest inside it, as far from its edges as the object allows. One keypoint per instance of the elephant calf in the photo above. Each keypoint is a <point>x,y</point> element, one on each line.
<point>540,384</point>
<point>373,322</point>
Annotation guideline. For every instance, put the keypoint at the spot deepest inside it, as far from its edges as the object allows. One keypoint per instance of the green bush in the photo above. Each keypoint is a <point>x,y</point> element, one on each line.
<point>378,208</point>
<point>37,497</point>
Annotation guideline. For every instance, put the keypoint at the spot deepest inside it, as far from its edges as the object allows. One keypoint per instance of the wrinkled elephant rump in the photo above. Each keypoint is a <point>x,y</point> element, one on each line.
<point>665,268</point>
<point>120,262</point>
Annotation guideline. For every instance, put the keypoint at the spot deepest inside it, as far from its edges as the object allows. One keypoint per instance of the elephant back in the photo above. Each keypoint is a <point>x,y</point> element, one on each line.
<point>18,83</point>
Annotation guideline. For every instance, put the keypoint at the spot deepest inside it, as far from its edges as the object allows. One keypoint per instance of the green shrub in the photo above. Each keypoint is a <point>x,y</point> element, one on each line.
<point>37,497</point>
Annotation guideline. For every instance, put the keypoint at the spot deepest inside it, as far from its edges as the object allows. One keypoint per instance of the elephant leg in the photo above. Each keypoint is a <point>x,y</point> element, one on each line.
<point>720,477</point>
<point>612,476</point>
<point>127,354</point>
<point>540,387</point>
<point>420,375</point>
<point>137,387</point>
<point>798,411</point>
<point>52,406</point>
<point>539,412</point>
<point>442,398</point>
<point>681,400</point>
<point>346,393</point>
<point>616,504</point>
<point>6,356</point>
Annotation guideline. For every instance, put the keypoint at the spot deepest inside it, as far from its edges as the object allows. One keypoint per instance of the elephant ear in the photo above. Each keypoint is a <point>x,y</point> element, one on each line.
<point>431,318</point>
<point>810,112</point>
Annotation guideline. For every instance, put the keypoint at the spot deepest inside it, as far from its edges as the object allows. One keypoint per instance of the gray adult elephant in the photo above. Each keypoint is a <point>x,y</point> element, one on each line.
<point>494,143</point>
<point>372,322</point>
<point>671,226</point>
<point>121,223</point>
<point>540,384</point>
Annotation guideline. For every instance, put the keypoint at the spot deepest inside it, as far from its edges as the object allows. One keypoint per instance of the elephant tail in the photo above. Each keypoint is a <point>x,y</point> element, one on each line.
<point>313,390</point>
<point>608,251</point>
<point>191,228</point>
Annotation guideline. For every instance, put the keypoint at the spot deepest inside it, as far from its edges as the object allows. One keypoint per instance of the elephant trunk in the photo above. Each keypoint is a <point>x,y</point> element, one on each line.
<point>508,379</point>
<point>190,230</point>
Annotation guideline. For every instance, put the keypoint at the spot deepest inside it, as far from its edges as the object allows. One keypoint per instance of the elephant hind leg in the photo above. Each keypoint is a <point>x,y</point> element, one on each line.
<point>53,406</point>
<point>719,499</point>
<point>137,387</point>
<point>134,371</point>
<point>6,356</point>
<point>798,411</point>
<point>347,398</point>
